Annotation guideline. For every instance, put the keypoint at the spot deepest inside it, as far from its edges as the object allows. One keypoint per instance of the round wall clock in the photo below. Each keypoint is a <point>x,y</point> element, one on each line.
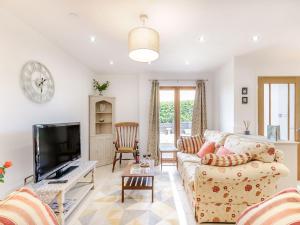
<point>37,82</point>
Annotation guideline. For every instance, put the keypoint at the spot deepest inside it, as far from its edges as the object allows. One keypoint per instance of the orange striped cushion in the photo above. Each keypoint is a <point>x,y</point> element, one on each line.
<point>191,144</point>
<point>228,160</point>
<point>280,209</point>
<point>23,207</point>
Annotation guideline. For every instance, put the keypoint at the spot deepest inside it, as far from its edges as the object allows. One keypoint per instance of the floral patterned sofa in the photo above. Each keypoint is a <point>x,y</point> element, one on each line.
<point>220,194</point>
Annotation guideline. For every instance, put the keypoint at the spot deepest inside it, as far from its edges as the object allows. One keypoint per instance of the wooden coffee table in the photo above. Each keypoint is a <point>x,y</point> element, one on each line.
<point>139,180</point>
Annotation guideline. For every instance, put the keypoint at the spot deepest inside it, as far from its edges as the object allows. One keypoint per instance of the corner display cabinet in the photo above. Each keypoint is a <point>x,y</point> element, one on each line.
<point>102,118</point>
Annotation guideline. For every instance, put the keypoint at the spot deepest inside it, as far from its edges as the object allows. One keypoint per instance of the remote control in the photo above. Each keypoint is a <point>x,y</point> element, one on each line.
<point>58,182</point>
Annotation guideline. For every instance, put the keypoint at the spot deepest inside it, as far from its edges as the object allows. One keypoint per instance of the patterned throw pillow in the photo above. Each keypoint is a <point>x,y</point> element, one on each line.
<point>281,208</point>
<point>24,207</point>
<point>191,144</point>
<point>262,151</point>
<point>228,160</point>
<point>206,148</point>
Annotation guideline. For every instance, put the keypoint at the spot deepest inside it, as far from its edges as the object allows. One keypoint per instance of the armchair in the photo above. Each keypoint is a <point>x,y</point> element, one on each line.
<point>126,140</point>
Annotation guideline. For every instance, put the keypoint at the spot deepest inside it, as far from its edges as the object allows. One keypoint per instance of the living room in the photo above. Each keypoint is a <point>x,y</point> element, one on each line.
<point>228,71</point>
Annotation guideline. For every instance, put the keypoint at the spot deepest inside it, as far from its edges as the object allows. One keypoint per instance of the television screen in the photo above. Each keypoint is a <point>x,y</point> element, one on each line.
<point>55,146</point>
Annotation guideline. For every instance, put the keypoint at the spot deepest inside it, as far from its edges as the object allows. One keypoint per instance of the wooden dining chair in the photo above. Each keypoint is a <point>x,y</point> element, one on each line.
<point>126,140</point>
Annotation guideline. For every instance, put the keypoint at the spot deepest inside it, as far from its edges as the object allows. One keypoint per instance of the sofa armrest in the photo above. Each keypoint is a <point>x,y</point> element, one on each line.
<point>253,170</point>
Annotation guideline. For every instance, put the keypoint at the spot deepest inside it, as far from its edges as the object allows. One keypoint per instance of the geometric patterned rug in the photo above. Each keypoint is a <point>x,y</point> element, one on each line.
<point>106,208</point>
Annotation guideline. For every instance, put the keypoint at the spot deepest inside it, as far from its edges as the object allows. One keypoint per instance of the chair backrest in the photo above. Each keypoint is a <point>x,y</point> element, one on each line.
<point>126,134</point>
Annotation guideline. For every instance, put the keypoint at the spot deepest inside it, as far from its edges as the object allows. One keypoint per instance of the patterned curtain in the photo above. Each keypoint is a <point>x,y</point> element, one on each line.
<point>153,130</point>
<point>199,120</point>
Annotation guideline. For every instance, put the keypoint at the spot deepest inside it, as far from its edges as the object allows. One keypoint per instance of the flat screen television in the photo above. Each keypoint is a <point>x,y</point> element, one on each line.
<point>55,146</point>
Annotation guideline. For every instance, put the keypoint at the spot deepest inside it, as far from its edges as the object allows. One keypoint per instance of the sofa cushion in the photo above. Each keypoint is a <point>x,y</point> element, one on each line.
<point>185,157</point>
<point>191,144</point>
<point>262,151</point>
<point>206,148</point>
<point>228,160</point>
<point>215,136</point>
<point>24,207</point>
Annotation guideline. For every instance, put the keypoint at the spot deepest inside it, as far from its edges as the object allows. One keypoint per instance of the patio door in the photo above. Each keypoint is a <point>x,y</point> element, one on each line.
<point>279,105</point>
<point>176,109</point>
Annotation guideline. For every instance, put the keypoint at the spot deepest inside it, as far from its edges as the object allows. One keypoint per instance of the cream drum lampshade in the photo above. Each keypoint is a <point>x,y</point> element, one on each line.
<point>143,44</point>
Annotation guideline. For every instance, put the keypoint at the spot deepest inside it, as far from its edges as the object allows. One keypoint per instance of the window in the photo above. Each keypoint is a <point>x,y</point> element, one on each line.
<point>176,109</point>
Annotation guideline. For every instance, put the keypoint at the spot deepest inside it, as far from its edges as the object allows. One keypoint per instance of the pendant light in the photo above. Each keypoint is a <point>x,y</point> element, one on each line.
<point>143,42</point>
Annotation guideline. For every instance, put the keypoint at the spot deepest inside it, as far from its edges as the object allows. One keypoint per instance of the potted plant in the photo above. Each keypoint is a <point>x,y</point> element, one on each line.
<point>100,87</point>
<point>5,166</point>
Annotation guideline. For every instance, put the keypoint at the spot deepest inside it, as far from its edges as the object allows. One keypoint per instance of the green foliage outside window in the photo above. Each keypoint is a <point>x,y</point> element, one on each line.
<point>167,111</point>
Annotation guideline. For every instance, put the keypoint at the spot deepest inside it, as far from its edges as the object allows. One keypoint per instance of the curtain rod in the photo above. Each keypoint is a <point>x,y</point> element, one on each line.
<point>177,80</point>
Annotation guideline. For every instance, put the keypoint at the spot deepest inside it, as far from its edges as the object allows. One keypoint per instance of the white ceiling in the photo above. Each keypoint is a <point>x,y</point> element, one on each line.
<point>227,25</point>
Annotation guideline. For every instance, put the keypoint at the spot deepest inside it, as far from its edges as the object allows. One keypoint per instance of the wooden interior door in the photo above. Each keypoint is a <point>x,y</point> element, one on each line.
<point>279,104</point>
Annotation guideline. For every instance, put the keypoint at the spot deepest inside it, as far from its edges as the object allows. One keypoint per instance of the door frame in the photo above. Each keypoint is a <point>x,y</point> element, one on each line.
<point>278,80</point>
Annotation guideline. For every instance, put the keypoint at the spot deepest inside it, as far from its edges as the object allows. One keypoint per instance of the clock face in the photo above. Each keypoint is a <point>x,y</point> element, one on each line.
<point>37,82</point>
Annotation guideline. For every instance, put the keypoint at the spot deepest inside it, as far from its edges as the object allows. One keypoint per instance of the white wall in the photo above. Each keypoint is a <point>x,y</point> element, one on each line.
<point>125,89</point>
<point>18,44</point>
<point>132,94</point>
<point>274,61</point>
<point>224,97</point>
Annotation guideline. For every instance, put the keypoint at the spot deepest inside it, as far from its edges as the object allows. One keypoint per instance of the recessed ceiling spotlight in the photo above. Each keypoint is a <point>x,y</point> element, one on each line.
<point>201,39</point>
<point>187,62</point>
<point>73,14</point>
<point>255,38</point>
<point>93,39</point>
<point>111,62</point>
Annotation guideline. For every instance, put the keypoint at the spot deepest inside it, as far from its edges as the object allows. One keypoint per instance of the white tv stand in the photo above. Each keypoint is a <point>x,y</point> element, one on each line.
<point>67,196</point>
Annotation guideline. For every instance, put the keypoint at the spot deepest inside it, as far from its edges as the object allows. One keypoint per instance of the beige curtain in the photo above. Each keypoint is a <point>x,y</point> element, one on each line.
<point>153,130</point>
<point>199,120</point>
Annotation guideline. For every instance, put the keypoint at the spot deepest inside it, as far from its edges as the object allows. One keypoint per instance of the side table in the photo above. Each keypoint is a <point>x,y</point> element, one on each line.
<point>174,160</point>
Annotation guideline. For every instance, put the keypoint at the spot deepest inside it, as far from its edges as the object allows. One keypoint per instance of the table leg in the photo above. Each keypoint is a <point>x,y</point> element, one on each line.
<point>122,189</point>
<point>93,178</point>
<point>161,161</point>
<point>176,161</point>
<point>60,201</point>
<point>152,189</point>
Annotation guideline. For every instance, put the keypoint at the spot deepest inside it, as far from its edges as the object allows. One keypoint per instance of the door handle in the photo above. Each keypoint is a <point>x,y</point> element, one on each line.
<point>298,129</point>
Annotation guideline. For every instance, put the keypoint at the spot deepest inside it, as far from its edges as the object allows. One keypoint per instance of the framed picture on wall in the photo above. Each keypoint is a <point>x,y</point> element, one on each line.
<point>244,100</point>
<point>244,91</point>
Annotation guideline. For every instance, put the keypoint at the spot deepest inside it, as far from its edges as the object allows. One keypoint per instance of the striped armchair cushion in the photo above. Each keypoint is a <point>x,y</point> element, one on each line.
<point>23,207</point>
<point>228,160</point>
<point>191,144</point>
<point>281,209</point>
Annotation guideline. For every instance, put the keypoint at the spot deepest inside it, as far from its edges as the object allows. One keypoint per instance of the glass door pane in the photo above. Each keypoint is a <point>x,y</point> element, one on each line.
<point>167,118</point>
<point>280,108</point>
<point>186,111</point>
<point>292,112</point>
